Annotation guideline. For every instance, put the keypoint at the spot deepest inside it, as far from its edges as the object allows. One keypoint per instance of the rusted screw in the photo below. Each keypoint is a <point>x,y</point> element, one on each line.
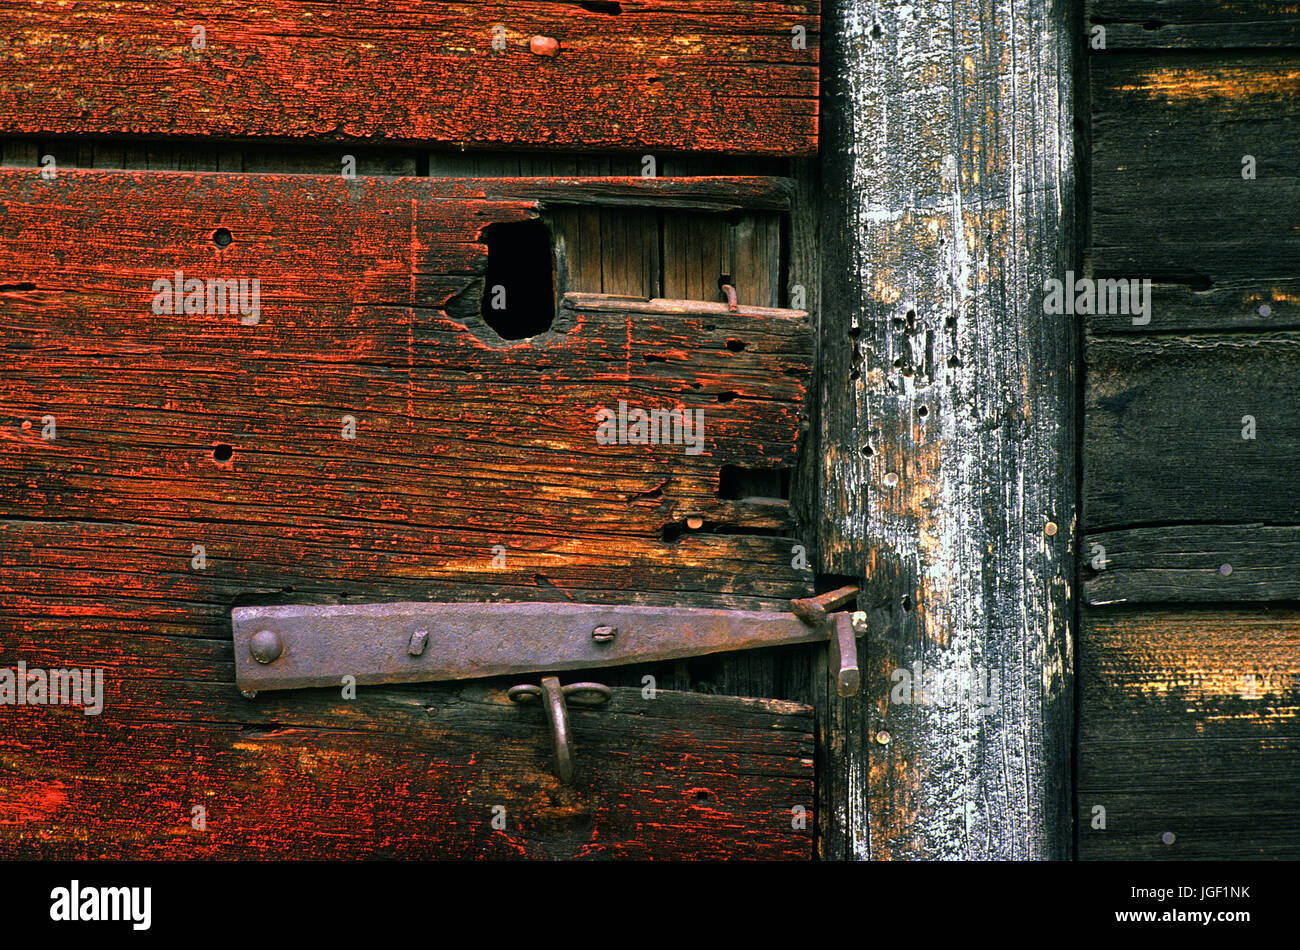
<point>604,634</point>
<point>695,522</point>
<point>266,646</point>
<point>543,46</point>
<point>1049,529</point>
<point>883,737</point>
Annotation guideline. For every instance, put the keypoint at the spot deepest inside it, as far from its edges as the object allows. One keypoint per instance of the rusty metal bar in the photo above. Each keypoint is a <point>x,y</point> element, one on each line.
<point>289,647</point>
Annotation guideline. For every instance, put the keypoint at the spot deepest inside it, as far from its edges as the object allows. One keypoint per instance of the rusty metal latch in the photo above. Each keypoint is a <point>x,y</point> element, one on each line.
<point>298,646</point>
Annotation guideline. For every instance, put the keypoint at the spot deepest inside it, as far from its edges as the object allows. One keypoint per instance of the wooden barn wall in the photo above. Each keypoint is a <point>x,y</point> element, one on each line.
<point>1189,724</point>
<point>179,734</point>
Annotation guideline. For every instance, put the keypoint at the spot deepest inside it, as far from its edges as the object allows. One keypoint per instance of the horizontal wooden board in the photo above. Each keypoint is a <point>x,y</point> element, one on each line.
<point>1189,725</point>
<point>659,74</point>
<point>463,442</point>
<point>1177,308</point>
<point>1193,563</point>
<point>399,773</point>
<point>1164,419</point>
<point>1203,24</point>
<point>1169,201</point>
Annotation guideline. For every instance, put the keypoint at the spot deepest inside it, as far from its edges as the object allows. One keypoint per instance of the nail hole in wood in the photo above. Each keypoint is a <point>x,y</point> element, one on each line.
<point>223,453</point>
<point>222,237</point>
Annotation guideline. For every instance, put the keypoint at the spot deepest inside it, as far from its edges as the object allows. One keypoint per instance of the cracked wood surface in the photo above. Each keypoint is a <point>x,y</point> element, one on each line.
<point>947,418</point>
<point>665,74</point>
<point>464,442</point>
<point>406,774</point>
<point>1188,712</point>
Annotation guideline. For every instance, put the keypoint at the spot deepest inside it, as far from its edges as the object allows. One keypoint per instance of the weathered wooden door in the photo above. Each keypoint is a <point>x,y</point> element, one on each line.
<point>271,336</point>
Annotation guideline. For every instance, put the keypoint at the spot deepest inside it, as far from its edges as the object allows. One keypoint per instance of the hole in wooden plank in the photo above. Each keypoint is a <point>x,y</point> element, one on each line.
<point>223,452</point>
<point>735,345</point>
<point>602,6</point>
<point>9,287</point>
<point>519,289</point>
<point>735,482</point>
<point>222,237</point>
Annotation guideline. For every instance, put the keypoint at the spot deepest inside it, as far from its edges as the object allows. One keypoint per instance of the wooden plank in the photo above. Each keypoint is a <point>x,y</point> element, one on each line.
<point>659,74</point>
<point>369,310</point>
<point>392,773</point>
<point>1169,202</point>
<point>1183,430</point>
<point>1193,563</point>
<point>947,421</point>
<point>1190,726</point>
<point>1176,308</point>
<point>1200,24</point>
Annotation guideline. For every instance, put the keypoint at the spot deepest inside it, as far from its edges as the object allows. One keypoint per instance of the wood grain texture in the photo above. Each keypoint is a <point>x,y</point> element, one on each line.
<point>393,773</point>
<point>353,276</point>
<point>1192,564</point>
<point>1201,24</point>
<point>947,418</point>
<point>1190,725</point>
<point>1167,420</point>
<point>1235,305</point>
<point>660,74</point>
<point>464,442</point>
<point>1169,201</point>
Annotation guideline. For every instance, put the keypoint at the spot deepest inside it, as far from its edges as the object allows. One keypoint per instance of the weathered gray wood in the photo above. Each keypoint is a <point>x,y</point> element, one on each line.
<point>1189,723</point>
<point>947,417</point>
<point>1168,433</point>
<point>1204,24</point>
<point>1192,563</point>
<point>1169,201</point>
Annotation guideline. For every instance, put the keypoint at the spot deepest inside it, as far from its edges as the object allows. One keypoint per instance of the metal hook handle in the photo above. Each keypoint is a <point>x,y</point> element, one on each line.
<point>557,713</point>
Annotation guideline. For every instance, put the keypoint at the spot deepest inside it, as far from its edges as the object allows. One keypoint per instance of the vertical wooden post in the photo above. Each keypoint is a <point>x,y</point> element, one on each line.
<point>948,423</point>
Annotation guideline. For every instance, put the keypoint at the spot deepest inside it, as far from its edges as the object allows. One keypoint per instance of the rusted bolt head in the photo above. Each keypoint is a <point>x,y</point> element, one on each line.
<point>695,522</point>
<point>604,634</point>
<point>266,646</point>
<point>1049,529</point>
<point>1169,837</point>
<point>1225,569</point>
<point>891,479</point>
<point>543,46</point>
<point>883,737</point>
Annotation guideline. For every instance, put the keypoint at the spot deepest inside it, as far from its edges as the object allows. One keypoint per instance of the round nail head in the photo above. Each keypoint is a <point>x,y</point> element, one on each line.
<point>1225,569</point>
<point>543,46</point>
<point>266,646</point>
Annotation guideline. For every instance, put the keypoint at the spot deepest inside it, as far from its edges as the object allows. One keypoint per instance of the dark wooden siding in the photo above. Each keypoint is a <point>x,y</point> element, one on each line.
<point>1190,642</point>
